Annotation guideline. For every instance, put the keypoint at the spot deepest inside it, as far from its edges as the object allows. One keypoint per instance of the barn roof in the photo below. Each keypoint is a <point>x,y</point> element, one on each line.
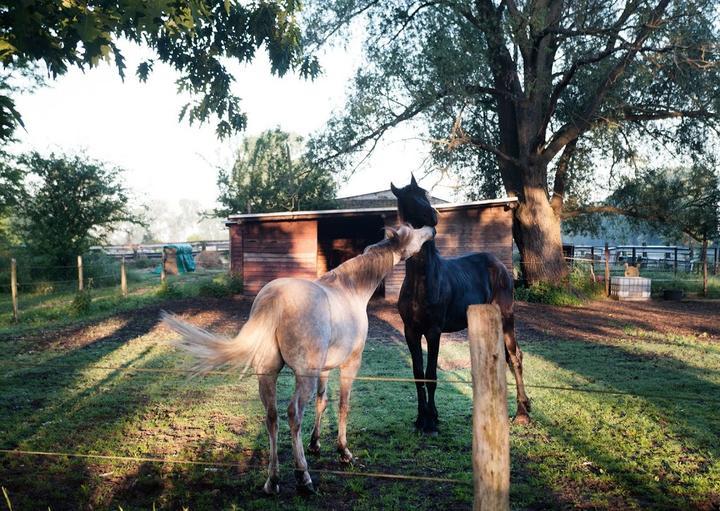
<point>379,199</point>
<point>311,215</point>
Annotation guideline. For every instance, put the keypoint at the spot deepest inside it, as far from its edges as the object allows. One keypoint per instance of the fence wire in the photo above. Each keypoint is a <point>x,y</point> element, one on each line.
<point>230,464</point>
<point>363,378</point>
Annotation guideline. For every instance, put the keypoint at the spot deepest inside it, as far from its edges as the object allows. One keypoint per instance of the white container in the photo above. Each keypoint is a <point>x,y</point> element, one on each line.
<point>630,288</point>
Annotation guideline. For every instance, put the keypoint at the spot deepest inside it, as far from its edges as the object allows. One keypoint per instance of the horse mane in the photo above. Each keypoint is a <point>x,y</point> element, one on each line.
<point>361,271</point>
<point>368,268</point>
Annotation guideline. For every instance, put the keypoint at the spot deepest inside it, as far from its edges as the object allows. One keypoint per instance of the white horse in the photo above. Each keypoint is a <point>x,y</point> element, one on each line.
<point>313,327</point>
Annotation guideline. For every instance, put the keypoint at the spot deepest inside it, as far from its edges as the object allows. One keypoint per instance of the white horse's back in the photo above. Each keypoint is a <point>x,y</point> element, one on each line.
<point>303,325</point>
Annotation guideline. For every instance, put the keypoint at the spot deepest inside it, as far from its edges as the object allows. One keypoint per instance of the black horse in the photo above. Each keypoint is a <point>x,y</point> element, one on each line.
<point>434,299</point>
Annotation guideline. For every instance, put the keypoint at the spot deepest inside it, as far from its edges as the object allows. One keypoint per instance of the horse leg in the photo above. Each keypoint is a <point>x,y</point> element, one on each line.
<point>412,338</point>
<point>304,387</point>
<point>514,356</point>
<point>431,418</point>
<point>348,371</point>
<point>267,384</point>
<point>321,401</point>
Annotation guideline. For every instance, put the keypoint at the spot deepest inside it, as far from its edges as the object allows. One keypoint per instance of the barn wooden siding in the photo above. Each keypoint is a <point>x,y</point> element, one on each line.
<point>464,230</point>
<point>278,249</point>
<point>307,244</point>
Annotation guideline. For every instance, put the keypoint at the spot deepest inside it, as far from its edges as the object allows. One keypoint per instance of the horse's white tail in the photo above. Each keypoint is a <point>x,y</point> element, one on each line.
<point>212,351</point>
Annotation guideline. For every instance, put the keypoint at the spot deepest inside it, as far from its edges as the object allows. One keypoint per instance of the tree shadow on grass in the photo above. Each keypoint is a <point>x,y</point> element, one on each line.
<point>58,400</point>
<point>656,418</point>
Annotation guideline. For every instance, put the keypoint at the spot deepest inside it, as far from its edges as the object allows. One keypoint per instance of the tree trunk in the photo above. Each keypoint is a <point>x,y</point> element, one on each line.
<point>536,229</point>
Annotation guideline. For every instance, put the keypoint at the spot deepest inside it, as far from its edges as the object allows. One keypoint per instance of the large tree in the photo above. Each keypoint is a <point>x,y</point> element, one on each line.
<point>195,37</point>
<point>71,203</point>
<point>269,175</point>
<point>518,94</point>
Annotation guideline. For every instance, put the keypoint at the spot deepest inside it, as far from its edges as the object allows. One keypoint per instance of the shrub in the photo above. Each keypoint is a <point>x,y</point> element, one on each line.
<point>577,289</point>
<point>214,289</point>
<point>82,303</point>
<point>169,289</point>
<point>545,293</point>
<point>222,286</point>
<point>235,283</point>
<point>141,262</point>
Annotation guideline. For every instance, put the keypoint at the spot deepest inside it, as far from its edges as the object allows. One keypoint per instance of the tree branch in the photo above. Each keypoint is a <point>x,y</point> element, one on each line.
<point>561,178</point>
<point>410,112</point>
<point>571,131</point>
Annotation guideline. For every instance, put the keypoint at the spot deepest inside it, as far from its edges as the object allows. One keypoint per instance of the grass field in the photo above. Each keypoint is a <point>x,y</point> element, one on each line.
<point>87,389</point>
<point>38,309</point>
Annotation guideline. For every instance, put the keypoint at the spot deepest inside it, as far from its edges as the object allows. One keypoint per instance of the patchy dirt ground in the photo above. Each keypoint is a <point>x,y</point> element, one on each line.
<point>596,321</point>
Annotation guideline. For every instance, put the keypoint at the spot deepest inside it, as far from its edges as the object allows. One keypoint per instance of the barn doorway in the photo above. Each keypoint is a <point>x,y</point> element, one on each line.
<point>342,238</point>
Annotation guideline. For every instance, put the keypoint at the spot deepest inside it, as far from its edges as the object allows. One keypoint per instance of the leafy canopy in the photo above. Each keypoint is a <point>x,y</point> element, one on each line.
<point>266,177</point>
<point>71,203</point>
<point>500,88</point>
<point>192,36</point>
<point>673,201</point>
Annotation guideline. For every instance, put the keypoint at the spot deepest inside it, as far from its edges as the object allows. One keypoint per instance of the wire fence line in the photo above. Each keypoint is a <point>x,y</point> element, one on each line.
<point>369,378</point>
<point>230,464</point>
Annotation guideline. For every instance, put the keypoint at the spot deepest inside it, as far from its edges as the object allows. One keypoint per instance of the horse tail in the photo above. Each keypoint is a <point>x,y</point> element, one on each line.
<point>212,351</point>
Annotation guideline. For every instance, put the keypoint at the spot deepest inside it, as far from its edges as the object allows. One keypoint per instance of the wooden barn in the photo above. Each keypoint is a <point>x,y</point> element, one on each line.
<point>306,244</point>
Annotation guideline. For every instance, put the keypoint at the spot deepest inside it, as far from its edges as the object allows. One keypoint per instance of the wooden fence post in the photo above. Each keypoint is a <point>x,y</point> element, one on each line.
<point>123,277</point>
<point>715,262</point>
<point>491,428</point>
<point>705,265</point>
<point>13,288</point>
<point>607,269</point>
<point>162,267</point>
<point>80,274</point>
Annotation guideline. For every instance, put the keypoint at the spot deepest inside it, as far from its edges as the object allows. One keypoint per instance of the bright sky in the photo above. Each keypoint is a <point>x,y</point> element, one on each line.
<point>134,125</point>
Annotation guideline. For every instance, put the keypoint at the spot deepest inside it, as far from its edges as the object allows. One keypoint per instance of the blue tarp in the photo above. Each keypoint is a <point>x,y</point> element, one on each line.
<point>184,258</point>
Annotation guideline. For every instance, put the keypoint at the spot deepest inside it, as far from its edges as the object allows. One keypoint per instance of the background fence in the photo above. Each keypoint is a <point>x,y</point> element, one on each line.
<point>650,258</point>
<point>50,292</point>
<point>33,292</point>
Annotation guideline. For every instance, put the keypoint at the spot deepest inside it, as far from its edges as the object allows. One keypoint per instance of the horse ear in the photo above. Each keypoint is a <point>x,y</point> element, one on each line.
<point>394,189</point>
<point>390,233</point>
<point>412,181</point>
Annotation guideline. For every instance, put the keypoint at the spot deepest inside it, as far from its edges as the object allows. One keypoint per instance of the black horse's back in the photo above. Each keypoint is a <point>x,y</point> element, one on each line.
<point>474,279</point>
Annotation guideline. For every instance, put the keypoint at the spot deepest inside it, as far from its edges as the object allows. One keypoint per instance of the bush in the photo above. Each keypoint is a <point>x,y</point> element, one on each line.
<point>222,286</point>
<point>235,283</point>
<point>82,303</point>
<point>579,288</point>
<point>548,294</point>
<point>169,289</point>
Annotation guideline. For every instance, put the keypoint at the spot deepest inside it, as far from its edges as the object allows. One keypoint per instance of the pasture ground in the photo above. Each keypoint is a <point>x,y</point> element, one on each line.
<point>87,388</point>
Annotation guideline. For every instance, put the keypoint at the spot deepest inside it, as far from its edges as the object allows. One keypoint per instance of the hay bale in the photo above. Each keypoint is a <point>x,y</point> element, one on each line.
<point>208,259</point>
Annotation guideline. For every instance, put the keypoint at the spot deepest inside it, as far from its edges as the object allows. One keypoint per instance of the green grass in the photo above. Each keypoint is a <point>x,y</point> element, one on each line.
<point>691,285</point>
<point>645,450</point>
<point>65,305</point>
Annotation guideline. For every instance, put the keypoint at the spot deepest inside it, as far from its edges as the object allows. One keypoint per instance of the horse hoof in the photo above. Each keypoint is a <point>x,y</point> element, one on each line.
<point>271,488</point>
<point>346,456</point>
<point>314,448</point>
<point>306,489</point>
<point>522,419</point>
<point>431,432</point>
